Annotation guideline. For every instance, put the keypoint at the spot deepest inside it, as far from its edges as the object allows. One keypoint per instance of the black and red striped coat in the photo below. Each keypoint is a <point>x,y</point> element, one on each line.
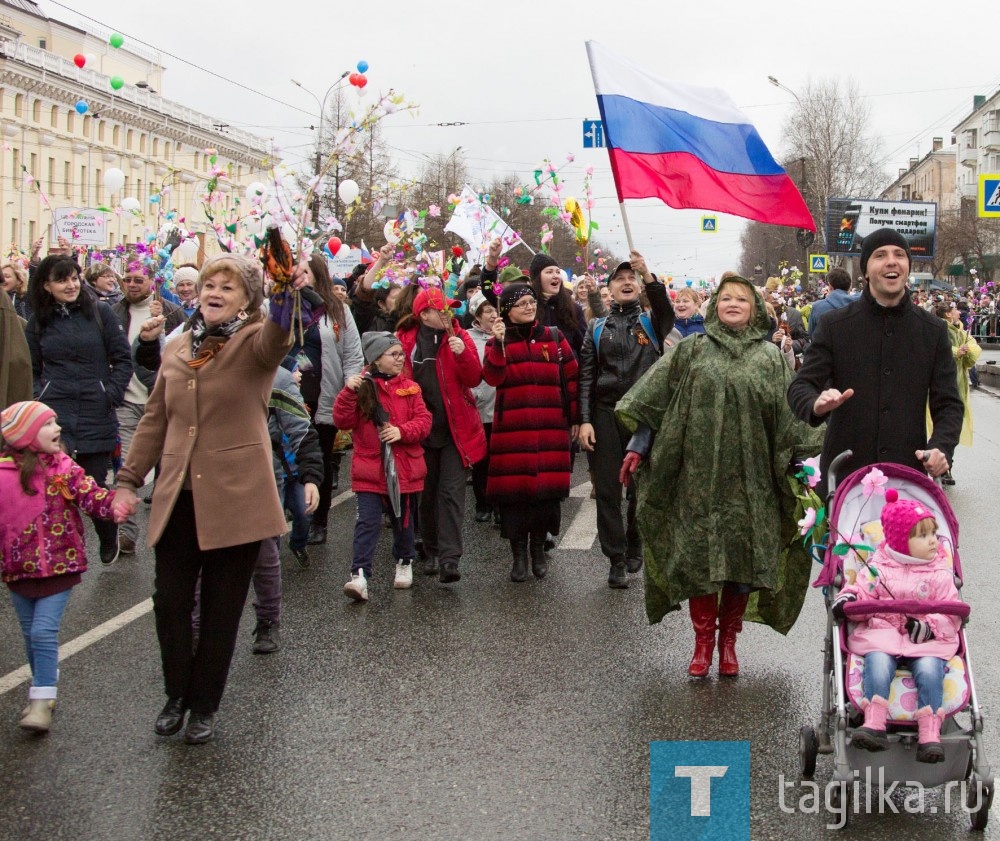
<point>536,404</point>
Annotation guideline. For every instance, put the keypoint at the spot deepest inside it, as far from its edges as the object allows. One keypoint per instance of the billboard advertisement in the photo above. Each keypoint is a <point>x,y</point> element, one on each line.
<point>849,221</point>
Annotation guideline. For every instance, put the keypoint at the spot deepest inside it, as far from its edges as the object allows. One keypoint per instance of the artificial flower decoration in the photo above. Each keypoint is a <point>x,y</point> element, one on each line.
<point>808,521</point>
<point>874,483</point>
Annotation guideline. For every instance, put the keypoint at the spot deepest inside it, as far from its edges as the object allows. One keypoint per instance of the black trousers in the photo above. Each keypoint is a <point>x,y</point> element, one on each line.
<point>480,472</point>
<point>442,503</point>
<point>96,466</point>
<point>617,538</point>
<point>199,677</point>
<point>327,436</point>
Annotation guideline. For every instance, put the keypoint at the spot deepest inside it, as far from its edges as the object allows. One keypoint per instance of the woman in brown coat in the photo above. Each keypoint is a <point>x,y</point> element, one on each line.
<point>215,498</point>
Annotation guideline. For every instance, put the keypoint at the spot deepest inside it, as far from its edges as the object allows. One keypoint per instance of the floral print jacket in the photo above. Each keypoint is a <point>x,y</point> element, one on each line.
<point>42,535</point>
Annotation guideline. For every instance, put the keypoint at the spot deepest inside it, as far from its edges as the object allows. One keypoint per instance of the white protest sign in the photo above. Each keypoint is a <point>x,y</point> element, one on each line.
<point>80,225</point>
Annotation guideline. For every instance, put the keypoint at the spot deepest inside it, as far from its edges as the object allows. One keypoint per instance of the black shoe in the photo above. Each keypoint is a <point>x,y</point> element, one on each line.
<point>301,555</point>
<point>200,729</point>
<point>550,543</point>
<point>496,518</point>
<point>633,565</point>
<point>539,566</point>
<point>109,553</point>
<point>482,516</point>
<point>418,546</point>
<point>431,566</point>
<point>618,577</point>
<point>317,535</point>
<point>449,573</point>
<point>171,718</point>
<point>265,637</point>
<point>519,569</point>
<point>335,483</point>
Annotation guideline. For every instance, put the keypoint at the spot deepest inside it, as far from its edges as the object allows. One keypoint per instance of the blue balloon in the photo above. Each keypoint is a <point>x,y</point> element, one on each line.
<point>154,199</point>
<point>82,107</point>
<point>362,66</point>
<point>689,282</point>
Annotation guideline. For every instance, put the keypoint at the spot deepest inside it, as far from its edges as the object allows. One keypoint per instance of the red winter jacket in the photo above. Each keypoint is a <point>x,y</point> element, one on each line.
<point>457,375</point>
<point>400,397</point>
<point>530,440</point>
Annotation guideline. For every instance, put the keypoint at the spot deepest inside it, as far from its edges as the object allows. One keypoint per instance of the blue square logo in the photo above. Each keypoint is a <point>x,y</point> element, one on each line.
<point>699,790</point>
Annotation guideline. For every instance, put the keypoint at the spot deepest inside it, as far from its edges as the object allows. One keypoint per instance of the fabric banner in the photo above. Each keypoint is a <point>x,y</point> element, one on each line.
<point>477,223</point>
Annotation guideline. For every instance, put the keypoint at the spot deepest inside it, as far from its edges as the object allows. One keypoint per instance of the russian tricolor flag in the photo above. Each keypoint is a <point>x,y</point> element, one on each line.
<point>688,146</point>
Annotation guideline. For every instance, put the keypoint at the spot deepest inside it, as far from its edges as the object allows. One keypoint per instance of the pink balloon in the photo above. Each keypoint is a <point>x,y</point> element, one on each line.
<point>334,243</point>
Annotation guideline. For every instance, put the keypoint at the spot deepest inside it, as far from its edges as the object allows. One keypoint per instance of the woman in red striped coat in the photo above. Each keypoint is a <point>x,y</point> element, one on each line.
<point>534,371</point>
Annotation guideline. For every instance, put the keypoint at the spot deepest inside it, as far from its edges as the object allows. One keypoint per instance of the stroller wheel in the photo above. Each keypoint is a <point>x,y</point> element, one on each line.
<point>808,748</point>
<point>978,801</point>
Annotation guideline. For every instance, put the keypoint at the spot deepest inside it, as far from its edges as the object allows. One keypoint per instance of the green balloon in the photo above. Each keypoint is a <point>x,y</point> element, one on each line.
<point>117,82</point>
<point>116,40</point>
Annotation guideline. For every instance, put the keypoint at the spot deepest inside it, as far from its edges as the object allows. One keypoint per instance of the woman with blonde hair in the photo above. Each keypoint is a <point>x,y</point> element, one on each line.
<point>15,284</point>
<point>206,423</point>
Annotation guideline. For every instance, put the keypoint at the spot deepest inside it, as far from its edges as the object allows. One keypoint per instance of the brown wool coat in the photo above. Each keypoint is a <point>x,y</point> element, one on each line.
<point>211,423</point>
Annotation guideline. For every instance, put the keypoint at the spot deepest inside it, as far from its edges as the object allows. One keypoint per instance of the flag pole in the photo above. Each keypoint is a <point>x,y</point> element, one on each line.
<point>628,230</point>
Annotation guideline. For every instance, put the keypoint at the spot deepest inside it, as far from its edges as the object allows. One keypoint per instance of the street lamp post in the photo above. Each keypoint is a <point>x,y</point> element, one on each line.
<point>319,138</point>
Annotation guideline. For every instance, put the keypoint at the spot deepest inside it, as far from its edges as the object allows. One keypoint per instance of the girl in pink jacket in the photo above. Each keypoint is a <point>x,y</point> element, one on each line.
<point>909,564</point>
<point>42,539</point>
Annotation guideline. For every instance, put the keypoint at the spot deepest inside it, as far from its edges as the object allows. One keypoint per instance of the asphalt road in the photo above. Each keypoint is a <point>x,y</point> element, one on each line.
<point>483,710</point>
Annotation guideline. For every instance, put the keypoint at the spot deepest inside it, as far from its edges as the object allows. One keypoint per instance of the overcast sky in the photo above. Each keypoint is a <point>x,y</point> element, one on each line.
<point>516,72</point>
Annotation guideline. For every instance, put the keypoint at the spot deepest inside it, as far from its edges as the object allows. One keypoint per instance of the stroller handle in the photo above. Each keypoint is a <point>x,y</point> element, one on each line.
<point>833,467</point>
<point>910,607</point>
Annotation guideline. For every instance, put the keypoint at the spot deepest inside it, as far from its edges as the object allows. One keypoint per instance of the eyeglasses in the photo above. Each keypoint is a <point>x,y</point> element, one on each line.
<point>395,355</point>
<point>130,280</point>
<point>529,304</point>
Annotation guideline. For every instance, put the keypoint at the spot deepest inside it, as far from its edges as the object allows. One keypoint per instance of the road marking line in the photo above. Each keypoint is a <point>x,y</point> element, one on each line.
<point>583,529</point>
<point>15,678</point>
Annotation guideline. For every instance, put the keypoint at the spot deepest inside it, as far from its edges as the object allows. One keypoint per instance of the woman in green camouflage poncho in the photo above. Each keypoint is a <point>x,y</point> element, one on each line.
<point>715,435</point>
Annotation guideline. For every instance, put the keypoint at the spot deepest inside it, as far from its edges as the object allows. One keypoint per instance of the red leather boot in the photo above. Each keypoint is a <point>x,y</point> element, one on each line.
<point>731,610</point>
<point>704,610</point>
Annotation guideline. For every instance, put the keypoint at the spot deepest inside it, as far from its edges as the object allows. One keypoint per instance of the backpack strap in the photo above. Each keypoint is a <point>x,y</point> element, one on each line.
<point>644,320</point>
<point>598,327</point>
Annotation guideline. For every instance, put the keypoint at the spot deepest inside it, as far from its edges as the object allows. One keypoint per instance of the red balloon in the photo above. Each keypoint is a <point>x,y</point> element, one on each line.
<point>334,243</point>
<point>79,60</point>
<point>353,78</point>
<point>362,80</point>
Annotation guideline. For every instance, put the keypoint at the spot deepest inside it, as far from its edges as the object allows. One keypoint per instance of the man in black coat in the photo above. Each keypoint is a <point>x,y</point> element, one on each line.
<point>873,369</point>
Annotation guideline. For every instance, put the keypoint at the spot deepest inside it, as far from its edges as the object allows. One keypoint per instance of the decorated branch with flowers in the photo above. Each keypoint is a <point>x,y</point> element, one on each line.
<point>809,509</point>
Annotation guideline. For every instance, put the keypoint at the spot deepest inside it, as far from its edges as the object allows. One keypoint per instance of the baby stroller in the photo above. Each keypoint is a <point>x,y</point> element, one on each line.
<point>854,518</point>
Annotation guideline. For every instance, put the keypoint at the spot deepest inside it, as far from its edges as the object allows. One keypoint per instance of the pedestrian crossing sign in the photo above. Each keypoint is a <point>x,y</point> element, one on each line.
<point>709,224</point>
<point>819,263</point>
<point>989,195</point>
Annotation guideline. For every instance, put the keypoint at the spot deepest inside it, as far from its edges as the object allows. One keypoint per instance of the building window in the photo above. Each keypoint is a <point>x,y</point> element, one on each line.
<point>128,139</point>
<point>36,111</point>
<point>166,150</point>
<point>86,125</point>
<point>100,130</point>
<point>142,144</point>
<point>111,240</point>
<point>54,117</point>
<point>15,230</point>
<point>32,227</point>
<point>70,122</point>
<point>138,189</point>
<point>19,105</point>
<point>67,178</point>
<point>98,181</point>
<point>52,175</point>
<point>116,136</point>
<point>15,160</point>
<point>197,160</point>
<point>84,189</point>
<point>34,166</point>
<point>42,44</point>
<point>156,146</point>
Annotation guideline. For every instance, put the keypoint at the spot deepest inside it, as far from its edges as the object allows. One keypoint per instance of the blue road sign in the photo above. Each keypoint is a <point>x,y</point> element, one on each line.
<point>989,195</point>
<point>593,134</point>
<point>709,224</point>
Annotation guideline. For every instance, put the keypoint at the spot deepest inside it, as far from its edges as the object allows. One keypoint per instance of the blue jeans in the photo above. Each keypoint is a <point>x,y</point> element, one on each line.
<point>369,526</point>
<point>40,620</point>
<point>928,674</point>
<point>295,501</point>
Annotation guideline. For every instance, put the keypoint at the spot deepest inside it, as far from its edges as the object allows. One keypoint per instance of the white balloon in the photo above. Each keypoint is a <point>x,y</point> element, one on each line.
<point>348,191</point>
<point>256,190</point>
<point>114,180</point>
<point>130,204</point>
<point>186,252</point>
<point>91,60</point>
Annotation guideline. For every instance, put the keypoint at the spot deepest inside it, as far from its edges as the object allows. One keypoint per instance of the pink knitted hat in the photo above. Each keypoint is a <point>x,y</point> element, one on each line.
<point>20,422</point>
<point>899,516</point>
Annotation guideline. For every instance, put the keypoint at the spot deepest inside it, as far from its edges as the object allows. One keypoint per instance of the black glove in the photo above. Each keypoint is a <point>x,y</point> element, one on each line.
<point>918,631</point>
<point>837,608</point>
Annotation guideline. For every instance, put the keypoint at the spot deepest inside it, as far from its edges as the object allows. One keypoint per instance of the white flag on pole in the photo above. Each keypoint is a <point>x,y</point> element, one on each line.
<point>477,223</point>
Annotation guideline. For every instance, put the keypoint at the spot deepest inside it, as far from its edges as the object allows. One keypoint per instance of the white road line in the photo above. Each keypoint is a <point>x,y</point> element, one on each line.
<point>583,529</point>
<point>19,676</point>
<point>15,678</point>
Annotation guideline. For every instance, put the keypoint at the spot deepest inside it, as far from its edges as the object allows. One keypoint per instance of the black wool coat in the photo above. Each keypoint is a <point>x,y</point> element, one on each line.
<point>899,362</point>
